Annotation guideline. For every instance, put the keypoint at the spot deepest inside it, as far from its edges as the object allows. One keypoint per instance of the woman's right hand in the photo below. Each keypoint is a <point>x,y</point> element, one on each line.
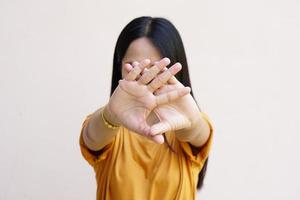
<point>133,100</point>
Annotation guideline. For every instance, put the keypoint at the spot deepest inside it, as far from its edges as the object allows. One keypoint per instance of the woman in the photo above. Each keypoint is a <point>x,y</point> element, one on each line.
<point>150,141</point>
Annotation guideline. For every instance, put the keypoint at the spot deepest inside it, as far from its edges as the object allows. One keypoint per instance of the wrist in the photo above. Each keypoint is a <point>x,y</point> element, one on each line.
<point>189,133</point>
<point>109,117</point>
<point>195,123</point>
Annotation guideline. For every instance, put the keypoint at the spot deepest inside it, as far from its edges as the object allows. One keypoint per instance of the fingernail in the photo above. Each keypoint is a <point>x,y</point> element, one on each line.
<point>135,63</point>
<point>167,60</point>
<point>147,61</point>
<point>179,65</point>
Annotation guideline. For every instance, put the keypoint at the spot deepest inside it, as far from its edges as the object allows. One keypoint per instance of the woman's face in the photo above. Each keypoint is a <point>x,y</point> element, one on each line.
<point>139,50</point>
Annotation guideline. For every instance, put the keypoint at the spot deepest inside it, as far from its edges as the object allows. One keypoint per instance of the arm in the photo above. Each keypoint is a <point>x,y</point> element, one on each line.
<point>97,134</point>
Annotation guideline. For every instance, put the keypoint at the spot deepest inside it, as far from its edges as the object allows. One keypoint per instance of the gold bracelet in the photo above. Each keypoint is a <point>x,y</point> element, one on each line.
<point>107,123</point>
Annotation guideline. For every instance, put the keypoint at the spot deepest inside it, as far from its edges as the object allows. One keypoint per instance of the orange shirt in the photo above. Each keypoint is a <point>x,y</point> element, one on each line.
<point>132,167</point>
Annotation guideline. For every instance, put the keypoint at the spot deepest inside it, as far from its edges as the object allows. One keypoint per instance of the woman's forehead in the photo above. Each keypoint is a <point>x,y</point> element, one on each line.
<point>141,49</point>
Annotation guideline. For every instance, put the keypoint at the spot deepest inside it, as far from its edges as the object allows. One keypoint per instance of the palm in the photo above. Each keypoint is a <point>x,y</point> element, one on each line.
<point>177,114</point>
<point>132,103</point>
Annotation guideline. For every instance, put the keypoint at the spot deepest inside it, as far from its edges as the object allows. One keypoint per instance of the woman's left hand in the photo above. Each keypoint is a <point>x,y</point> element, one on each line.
<point>181,114</point>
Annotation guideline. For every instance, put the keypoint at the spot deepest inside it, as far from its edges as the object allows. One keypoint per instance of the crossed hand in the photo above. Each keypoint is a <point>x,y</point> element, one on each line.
<point>144,90</point>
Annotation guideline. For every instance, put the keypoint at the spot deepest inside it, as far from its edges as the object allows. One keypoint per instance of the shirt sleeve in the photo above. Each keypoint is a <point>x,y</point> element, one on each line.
<point>204,150</point>
<point>92,157</point>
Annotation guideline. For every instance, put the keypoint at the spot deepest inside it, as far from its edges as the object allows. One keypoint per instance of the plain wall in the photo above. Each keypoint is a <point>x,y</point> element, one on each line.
<point>55,68</point>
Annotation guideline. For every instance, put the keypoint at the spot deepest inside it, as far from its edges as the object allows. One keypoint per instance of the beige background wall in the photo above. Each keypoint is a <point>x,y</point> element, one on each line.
<point>55,68</point>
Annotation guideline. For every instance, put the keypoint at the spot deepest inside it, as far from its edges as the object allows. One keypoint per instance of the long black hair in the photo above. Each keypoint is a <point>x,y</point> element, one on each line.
<point>165,37</point>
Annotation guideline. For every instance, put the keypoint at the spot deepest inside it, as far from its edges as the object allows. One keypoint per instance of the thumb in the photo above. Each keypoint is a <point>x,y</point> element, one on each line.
<point>158,139</point>
<point>159,128</point>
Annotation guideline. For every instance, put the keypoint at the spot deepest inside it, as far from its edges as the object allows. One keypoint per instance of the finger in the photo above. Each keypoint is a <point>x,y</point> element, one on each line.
<point>138,76</point>
<point>159,128</point>
<point>164,69</point>
<point>128,67</point>
<point>162,78</point>
<point>158,139</point>
<point>172,80</point>
<point>164,126</point>
<point>145,130</point>
<point>172,95</point>
<point>153,71</point>
<point>137,69</point>
<point>164,89</point>
<point>135,63</point>
<point>145,70</point>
